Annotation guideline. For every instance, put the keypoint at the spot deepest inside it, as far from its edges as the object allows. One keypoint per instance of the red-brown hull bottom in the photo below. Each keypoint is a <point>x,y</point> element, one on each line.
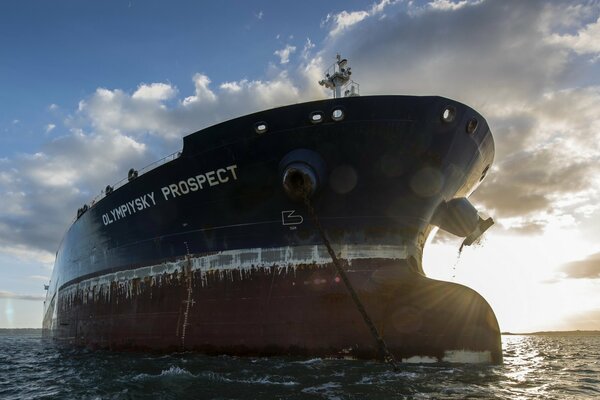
<point>304,310</point>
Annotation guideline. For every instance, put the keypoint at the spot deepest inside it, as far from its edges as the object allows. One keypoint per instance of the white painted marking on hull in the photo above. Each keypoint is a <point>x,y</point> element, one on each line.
<point>454,356</point>
<point>467,356</point>
<point>420,360</point>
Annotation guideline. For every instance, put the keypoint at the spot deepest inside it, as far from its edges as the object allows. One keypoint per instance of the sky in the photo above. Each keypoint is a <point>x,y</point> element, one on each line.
<point>91,89</point>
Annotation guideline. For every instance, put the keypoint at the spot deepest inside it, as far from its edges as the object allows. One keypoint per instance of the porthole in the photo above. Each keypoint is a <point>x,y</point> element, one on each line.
<point>316,117</point>
<point>448,114</point>
<point>260,127</point>
<point>337,114</point>
<point>472,126</point>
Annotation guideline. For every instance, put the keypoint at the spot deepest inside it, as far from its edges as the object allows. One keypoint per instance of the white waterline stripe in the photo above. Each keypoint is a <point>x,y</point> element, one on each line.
<point>280,257</point>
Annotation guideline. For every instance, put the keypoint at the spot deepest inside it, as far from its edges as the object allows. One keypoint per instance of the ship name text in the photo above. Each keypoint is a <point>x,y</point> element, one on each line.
<point>200,182</point>
<point>192,184</point>
<point>129,208</point>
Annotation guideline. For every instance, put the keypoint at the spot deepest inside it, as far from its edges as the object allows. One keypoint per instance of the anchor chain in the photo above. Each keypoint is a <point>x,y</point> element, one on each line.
<point>384,352</point>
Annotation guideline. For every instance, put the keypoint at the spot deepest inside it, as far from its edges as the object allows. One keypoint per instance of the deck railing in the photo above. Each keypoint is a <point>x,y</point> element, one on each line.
<point>142,171</point>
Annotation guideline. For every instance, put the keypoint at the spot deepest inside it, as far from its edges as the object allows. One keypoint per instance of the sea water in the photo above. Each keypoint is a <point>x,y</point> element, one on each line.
<point>535,367</point>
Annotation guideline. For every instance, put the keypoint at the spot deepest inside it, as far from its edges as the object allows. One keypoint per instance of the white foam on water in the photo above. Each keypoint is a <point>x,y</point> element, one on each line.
<point>254,380</point>
<point>326,390</point>
<point>386,377</point>
<point>310,361</point>
<point>174,371</point>
<point>267,380</point>
<point>215,377</point>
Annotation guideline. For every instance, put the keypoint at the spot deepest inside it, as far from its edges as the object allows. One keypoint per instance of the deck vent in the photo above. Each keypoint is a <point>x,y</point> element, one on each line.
<point>449,114</point>
<point>337,114</point>
<point>261,127</point>
<point>316,117</point>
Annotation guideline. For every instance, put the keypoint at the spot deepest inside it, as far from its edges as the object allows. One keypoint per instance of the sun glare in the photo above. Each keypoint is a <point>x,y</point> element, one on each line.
<point>519,276</point>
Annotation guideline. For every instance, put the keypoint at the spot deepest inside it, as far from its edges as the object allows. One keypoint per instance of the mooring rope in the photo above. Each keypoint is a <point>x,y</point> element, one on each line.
<point>384,352</point>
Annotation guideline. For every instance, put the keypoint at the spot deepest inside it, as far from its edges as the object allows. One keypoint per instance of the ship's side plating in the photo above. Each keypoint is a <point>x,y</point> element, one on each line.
<point>208,252</point>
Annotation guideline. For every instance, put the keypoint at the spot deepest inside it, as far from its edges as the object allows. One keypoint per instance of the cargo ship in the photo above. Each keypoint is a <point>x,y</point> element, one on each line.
<point>297,231</point>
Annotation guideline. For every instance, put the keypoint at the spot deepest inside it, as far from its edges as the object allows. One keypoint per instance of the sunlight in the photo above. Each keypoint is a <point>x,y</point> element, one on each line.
<point>519,276</point>
<point>9,313</point>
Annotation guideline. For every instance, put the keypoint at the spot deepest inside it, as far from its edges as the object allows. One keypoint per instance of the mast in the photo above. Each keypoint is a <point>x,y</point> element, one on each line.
<point>337,78</point>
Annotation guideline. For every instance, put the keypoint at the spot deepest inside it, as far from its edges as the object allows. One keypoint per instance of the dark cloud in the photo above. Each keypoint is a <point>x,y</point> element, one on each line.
<point>43,191</point>
<point>532,181</point>
<point>527,228</point>
<point>485,53</point>
<point>512,132</point>
<point>584,269</point>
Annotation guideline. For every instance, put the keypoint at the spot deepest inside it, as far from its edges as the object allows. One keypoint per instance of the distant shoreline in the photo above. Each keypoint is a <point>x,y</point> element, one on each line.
<point>20,329</point>
<point>554,333</point>
<point>539,333</point>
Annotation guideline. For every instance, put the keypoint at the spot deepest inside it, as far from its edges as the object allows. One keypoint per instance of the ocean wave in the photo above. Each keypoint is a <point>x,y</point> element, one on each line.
<point>327,389</point>
<point>172,371</point>
<point>31,369</point>
<point>260,380</point>
<point>310,361</point>
<point>267,381</point>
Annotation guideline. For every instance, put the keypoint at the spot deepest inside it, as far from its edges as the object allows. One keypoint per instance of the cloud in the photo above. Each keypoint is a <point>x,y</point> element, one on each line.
<point>50,128</point>
<point>203,93</point>
<point>583,269</point>
<point>41,192</point>
<point>548,160</point>
<point>584,41</point>
<point>378,8</point>
<point>11,295</point>
<point>487,52</point>
<point>144,112</point>
<point>342,22</point>
<point>532,181</point>
<point>154,92</point>
<point>284,54</point>
<point>447,5</point>
<point>306,50</point>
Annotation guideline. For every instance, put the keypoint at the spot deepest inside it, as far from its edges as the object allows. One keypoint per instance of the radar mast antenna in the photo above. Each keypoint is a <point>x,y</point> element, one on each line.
<point>337,77</point>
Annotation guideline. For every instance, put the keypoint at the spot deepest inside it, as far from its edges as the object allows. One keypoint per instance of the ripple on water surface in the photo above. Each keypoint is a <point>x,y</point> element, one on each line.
<point>534,367</point>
